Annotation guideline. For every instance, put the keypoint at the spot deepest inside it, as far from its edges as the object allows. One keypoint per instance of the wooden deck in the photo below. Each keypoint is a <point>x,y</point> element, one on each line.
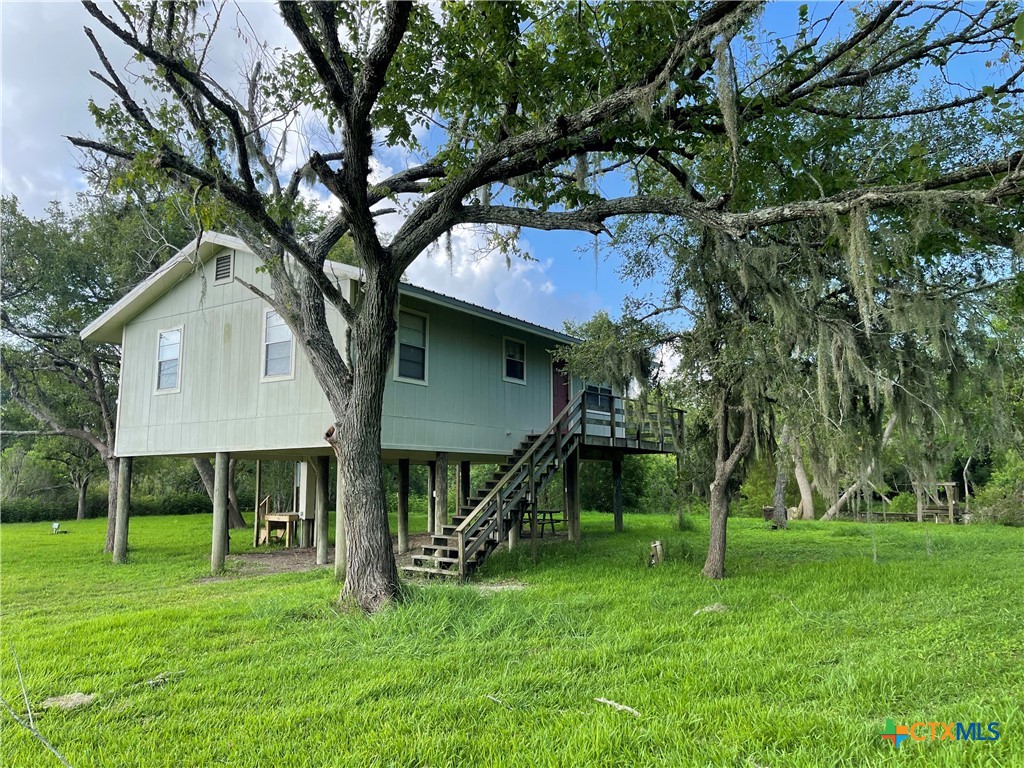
<point>591,426</point>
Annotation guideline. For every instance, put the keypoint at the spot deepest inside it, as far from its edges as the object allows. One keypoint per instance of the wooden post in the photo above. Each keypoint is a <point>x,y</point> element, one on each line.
<point>340,553</point>
<point>572,494</point>
<point>464,489</point>
<point>403,505</point>
<point>220,513</point>
<point>431,470</point>
<point>533,507</point>
<point>617,483</point>
<point>323,468</point>
<point>950,502</point>
<point>256,508</point>
<point>513,530</point>
<point>307,502</point>
<point>613,422</point>
<point>124,500</point>
<point>441,493</point>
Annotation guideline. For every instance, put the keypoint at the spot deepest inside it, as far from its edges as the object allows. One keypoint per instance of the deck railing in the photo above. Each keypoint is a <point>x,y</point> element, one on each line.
<point>589,419</point>
<point>637,423</point>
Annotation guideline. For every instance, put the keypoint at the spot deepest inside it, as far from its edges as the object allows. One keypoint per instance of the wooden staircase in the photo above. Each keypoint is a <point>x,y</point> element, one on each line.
<point>458,549</point>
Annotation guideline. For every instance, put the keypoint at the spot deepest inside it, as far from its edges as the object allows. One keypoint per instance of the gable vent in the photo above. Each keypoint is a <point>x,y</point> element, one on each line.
<point>223,269</point>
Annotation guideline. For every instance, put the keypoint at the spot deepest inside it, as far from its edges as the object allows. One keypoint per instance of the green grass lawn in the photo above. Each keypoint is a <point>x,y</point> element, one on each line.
<point>819,645</point>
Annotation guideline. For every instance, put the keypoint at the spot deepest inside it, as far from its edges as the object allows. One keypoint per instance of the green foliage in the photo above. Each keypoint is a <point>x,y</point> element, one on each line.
<point>758,490</point>
<point>251,651</point>
<point>32,510</point>
<point>24,473</point>
<point>1002,499</point>
<point>648,485</point>
<point>903,504</point>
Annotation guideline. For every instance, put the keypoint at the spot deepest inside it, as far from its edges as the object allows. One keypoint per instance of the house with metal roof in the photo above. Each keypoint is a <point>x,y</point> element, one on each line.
<point>208,368</point>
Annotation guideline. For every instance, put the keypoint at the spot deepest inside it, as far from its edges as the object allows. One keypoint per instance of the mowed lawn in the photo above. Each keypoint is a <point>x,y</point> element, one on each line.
<point>818,646</point>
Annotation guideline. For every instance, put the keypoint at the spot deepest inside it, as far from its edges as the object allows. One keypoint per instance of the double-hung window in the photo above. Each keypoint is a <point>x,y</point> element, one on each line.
<point>515,361</point>
<point>168,360</point>
<point>277,346</point>
<point>412,346</point>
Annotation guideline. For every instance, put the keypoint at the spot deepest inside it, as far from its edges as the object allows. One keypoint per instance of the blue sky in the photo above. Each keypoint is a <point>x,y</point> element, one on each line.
<point>46,87</point>
<point>44,96</point>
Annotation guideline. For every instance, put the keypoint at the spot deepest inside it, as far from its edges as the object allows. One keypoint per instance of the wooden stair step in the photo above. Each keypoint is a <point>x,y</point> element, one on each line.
<point>420,570</point>
<point>439,551</point>
<point>421,561</point>
<point>454,560</point>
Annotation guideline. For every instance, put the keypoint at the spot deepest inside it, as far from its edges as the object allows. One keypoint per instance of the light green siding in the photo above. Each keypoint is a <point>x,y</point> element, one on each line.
<point>468,407</point>
<point>222,405</point>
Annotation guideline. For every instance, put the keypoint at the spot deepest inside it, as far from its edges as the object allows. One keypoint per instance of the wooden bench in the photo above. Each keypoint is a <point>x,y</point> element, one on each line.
<point>282,524</point>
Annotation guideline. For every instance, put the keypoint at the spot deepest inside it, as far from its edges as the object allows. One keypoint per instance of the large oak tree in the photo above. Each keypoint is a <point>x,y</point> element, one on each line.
<point>518,115</point>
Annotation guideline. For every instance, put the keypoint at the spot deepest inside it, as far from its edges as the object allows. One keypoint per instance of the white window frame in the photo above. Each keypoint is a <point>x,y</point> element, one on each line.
<point>181,356</point>
<point>263,351</point>
<point>504,359</point>
<point>231,271</point>
<point>426,350</point>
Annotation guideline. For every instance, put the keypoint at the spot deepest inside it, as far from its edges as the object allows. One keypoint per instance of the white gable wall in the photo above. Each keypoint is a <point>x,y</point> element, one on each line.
<point>222,404</point>
<point>467,406</point>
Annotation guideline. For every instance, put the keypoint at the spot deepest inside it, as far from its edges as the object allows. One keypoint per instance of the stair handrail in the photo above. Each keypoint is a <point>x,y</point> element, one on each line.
<point>480,509</point>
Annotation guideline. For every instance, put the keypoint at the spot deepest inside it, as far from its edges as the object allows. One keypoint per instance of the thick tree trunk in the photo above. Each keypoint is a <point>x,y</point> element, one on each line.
<point>718,504</point>
<point>82,486</point>
<point>806,507</point>
<point>205,470</point>
<point>371,578</point>
<point>725,464</point>
<point>340,547</point>
<point>113,469</point>
<point>781,479</point>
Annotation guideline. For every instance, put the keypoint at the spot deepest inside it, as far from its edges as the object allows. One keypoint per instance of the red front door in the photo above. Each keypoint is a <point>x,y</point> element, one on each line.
<point>559,388</point>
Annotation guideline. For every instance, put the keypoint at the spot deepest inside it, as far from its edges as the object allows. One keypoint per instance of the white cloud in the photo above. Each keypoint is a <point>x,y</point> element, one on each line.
<point>517,286</point>
<point>45,87</point>
<point>669,360</point>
